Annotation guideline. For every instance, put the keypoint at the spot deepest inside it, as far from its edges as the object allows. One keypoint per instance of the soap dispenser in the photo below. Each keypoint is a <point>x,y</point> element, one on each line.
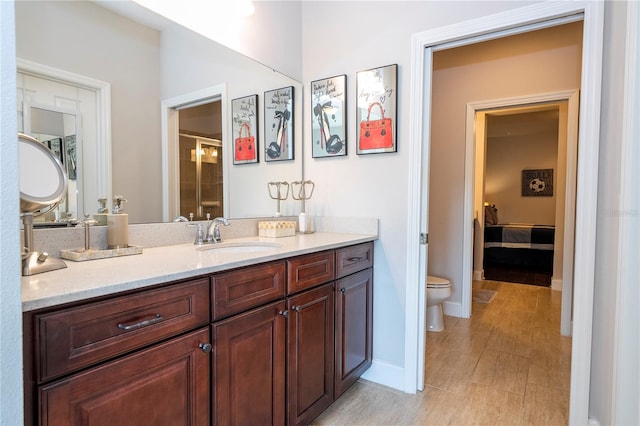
<point>101,216</point>
<point>117,225</point>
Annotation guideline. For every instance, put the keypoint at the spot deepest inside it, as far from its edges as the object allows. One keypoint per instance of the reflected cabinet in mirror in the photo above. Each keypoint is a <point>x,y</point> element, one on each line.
<point>129,135</point>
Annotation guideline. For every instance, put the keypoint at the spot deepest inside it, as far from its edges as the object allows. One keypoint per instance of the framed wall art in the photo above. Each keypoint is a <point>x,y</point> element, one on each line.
<point>329,117</point>
<point>377,91</point>
<point>244,125</point>
<point>537,183</point>
<point>278,124</point>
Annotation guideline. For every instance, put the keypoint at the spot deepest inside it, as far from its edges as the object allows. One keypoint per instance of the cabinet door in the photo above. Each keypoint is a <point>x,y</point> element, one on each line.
<point>167,384</point>
<point>310,333</point>
<point>354,297</point>
<point>249,368</point>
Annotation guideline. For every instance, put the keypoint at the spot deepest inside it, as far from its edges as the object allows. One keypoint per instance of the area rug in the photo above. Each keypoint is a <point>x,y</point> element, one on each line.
<point>483,295</point>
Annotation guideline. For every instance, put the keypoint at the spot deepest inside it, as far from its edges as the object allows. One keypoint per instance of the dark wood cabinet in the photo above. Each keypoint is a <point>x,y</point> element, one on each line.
<point>249,367</point>
<point>168,384</point>
<point>77,337</point>
<point>310,357</point>
<point>354,320</point>
<point>269,344</point>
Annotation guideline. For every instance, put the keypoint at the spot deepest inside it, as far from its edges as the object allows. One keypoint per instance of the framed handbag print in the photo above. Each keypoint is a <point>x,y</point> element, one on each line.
<point>376,110</point>
<point>328,117</point>
<point>278,124</point>
<point>244,113</point>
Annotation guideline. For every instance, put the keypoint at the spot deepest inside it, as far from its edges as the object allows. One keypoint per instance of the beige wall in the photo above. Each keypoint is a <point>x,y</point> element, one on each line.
<point>506,158</point>
<point>527,64</point>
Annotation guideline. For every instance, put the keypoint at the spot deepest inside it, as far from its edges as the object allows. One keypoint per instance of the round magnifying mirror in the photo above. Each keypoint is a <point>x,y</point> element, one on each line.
<point>43,180</point>
<point>43,183</point>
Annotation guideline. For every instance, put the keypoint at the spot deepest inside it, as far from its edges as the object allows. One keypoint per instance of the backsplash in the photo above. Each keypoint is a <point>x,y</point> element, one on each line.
<point>148,235</point>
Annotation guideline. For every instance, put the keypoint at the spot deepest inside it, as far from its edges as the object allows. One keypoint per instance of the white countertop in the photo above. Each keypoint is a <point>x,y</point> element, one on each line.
<point>85,280</point>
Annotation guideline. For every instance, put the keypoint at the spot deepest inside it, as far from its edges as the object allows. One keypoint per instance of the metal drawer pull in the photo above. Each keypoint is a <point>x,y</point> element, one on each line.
<point>355,259</point>
<point>140,324</point>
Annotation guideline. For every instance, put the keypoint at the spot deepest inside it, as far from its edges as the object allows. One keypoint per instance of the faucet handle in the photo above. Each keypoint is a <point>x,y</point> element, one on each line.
<point>199,235</point>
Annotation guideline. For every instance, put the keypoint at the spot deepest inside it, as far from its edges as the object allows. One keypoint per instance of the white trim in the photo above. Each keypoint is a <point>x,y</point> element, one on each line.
<point>453,309</point>
<point>170,158</point>
<point>587,160</point>
<point>102,89</point>
<point>626,374</point>
<point>556,284</point>
<point>385,374</point>
<point>419,129</point>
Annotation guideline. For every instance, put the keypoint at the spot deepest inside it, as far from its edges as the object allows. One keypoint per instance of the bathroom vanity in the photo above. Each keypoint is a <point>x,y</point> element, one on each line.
<point>206,337</point>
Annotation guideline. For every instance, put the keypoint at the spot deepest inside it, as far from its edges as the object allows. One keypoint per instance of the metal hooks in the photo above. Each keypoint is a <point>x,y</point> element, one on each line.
<point>276,192</point>
<point>303,192</point>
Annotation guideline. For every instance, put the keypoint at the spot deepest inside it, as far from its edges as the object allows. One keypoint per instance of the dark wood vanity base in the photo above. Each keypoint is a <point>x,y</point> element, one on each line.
<point>271,343</point>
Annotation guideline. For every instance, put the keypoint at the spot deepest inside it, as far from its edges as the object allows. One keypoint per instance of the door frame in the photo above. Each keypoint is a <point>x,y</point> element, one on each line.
<point>508,23</point>
<point>472,163</point>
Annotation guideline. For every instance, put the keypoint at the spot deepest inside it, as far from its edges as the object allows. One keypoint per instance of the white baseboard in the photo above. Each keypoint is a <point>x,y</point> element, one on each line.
<point>556,284</point>
<point>453,309</point>
<point>478,275</point>
<point>385,374</point>
<point>593,422</point>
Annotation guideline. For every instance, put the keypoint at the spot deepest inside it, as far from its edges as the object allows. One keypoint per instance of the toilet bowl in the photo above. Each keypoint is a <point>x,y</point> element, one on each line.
<point>438,290</point>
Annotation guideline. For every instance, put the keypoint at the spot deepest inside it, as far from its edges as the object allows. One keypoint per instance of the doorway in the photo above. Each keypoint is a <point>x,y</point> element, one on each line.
<point>501,25</point>
<point>567,104</point>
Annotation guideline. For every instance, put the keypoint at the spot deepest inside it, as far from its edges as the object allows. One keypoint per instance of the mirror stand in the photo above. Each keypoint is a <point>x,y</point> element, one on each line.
<point>34,262</point>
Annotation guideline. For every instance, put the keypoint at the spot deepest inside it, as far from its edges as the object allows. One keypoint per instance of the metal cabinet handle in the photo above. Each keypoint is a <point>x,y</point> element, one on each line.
<point>284,313</point>
<point>129,327</point>
<point>342,290</point>
<point>355,259</point>
<point>206,347</point>
<point>297,308</point>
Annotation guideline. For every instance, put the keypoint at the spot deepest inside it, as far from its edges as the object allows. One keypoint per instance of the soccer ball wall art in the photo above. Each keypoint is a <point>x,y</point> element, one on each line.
<point>537,183</point>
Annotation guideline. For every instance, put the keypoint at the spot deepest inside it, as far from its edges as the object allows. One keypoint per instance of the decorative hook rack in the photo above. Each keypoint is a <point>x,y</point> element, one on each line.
<point>276,192</point>
<point>302,190</point>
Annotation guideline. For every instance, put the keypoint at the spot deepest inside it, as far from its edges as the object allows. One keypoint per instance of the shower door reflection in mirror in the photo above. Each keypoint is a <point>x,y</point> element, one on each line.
<point>201,161</point>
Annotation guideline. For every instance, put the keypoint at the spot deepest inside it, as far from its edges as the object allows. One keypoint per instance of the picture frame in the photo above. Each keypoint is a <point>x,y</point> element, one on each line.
<point>329,117</point>
<point>376,110</point>
<point>244,127</point>
<point>279,124</point>
<point>537,183</point>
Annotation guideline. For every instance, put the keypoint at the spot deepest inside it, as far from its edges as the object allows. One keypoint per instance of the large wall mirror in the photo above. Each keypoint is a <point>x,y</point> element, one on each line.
<point>147,60</point>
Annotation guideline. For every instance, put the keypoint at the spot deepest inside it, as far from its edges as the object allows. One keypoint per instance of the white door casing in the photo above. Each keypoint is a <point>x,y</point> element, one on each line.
<point>510,22</point>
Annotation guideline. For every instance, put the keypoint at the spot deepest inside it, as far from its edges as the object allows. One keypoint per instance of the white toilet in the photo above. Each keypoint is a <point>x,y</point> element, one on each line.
<point>438,290</point>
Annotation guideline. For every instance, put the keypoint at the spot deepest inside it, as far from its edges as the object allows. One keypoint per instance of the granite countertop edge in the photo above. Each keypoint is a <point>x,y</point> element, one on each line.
<point>103,277</point>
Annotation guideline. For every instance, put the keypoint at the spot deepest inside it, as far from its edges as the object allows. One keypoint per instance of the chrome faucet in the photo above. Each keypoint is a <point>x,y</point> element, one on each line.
<point>213,231</point>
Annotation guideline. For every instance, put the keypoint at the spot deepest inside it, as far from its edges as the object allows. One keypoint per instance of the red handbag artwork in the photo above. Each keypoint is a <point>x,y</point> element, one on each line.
<point>245,148</point>
<point>376,134</point>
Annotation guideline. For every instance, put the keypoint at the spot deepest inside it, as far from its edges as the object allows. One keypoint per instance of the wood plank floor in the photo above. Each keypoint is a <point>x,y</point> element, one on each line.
<point>507,365</point>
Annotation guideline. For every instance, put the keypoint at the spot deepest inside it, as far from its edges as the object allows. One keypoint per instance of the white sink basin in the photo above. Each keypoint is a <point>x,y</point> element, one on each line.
<point>240,247</point>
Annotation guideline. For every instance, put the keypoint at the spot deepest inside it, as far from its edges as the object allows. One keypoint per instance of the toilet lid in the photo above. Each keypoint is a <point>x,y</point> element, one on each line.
<point>437,282</point>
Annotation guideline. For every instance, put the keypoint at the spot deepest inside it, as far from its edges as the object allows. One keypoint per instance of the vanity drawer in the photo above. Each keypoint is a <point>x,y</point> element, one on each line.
<point>310,270</point>
<point>246,288</point>
<point>74,338</point>
<point>350,260</point>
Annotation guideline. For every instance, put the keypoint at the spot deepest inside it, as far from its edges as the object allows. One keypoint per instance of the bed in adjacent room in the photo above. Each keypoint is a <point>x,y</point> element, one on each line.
<point>519,247</point>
